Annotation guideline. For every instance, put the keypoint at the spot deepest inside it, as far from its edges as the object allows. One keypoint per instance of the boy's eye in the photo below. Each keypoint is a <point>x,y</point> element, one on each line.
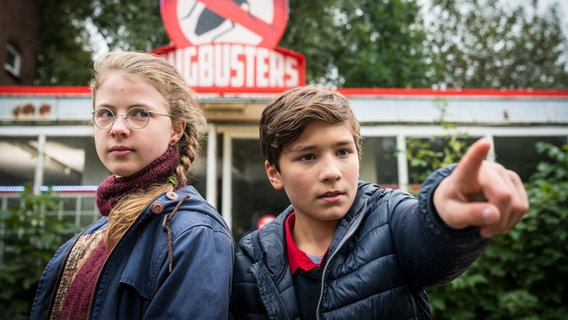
<point>307,157</point>
<point>343,152</point>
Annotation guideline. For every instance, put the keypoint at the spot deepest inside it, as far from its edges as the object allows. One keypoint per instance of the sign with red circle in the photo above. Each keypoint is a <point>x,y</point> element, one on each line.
<point>230,45</point>
<point>259,23</point>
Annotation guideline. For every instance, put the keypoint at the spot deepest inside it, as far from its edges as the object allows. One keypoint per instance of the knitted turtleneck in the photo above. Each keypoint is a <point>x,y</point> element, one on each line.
<point>113,188</point>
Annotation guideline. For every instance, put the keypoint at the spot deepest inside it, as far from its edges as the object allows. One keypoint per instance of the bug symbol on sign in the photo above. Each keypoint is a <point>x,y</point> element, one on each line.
<point>249,22</point>
<point>208,20</point>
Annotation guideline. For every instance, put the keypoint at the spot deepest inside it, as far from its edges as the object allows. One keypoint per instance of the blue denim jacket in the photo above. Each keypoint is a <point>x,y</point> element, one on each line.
<point>169,265</point>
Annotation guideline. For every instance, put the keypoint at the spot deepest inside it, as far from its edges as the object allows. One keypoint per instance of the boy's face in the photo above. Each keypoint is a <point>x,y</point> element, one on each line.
<point>319,172</point>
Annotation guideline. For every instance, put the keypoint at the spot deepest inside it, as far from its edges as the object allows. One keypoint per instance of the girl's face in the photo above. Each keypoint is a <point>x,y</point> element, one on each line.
<point>123,150</point>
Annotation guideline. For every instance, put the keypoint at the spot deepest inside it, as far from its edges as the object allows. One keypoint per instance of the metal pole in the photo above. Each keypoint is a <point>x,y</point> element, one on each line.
<point>211,171</point>
<point>402,162</point>
<point>38,179</point>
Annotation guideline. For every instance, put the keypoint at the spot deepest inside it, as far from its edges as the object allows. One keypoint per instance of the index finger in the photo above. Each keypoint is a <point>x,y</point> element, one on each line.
<point>470,164</point>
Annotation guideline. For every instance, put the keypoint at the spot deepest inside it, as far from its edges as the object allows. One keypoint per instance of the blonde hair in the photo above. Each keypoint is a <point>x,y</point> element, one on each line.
<point>183,107</point>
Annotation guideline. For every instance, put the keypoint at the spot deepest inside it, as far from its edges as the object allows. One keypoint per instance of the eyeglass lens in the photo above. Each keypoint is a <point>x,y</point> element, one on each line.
<point>136,118</point>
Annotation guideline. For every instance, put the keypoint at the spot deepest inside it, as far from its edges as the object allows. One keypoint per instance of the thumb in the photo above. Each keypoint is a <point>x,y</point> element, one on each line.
<point>477,214</point>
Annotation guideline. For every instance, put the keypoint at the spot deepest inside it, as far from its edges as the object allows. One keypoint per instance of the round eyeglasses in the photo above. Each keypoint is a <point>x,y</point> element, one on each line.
<point>136,118</point>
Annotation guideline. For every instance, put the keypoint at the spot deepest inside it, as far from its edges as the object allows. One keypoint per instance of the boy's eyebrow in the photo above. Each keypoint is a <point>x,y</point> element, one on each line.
<point>303,148</point>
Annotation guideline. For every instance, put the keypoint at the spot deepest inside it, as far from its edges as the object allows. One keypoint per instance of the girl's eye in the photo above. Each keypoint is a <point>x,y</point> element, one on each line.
<point>138,113</point>
<point>343,152</point>
<point>104,113</point>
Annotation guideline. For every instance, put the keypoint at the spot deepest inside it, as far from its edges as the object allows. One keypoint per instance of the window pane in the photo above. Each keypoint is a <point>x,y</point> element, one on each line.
<point>17,161</point>
<point>519,153</point>
<point>430,154</point>
<point>379,161</point>
<point>253,195</point>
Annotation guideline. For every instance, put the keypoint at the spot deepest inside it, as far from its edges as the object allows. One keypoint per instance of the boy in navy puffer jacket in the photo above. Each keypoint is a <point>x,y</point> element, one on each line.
<point>346,249</point>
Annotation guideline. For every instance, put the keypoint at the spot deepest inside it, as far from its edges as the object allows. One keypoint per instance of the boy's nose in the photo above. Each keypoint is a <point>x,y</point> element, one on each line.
<point>331,170</point>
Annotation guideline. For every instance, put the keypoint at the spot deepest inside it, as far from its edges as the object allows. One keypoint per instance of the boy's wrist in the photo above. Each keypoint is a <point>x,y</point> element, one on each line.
<point>428,207</point>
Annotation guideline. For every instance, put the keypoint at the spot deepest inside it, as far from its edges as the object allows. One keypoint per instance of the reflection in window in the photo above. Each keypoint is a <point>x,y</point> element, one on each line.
<point>519,153</point>
<point>253,195</point>
<point>13,62</point>
<point>430,154</point>
<point>379,161</point>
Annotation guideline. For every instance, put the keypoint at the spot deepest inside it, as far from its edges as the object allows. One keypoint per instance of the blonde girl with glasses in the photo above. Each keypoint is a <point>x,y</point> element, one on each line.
<point>160,251</point>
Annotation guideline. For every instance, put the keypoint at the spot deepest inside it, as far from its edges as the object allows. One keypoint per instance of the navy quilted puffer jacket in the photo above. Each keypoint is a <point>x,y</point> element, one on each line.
<point>385,252</point>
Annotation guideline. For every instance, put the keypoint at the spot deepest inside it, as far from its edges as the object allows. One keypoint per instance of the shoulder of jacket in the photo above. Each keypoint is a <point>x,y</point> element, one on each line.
<point>185,208</point>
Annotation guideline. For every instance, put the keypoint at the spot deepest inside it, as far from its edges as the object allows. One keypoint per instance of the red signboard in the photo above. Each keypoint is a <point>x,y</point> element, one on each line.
<point>230,45</point>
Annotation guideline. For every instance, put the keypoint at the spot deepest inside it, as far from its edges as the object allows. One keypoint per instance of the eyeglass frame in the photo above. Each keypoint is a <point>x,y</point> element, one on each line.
<point>125,117</point>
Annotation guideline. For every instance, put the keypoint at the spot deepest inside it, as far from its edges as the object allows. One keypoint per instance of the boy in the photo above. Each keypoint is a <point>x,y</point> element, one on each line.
<point>346,249</point>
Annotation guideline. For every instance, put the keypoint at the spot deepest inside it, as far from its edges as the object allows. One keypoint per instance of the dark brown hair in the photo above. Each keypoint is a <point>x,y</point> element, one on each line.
<point>285,118</point>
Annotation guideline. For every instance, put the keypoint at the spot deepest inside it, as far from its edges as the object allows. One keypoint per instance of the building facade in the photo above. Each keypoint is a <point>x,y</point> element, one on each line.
<point>46,141</point>
<point>19,29</point>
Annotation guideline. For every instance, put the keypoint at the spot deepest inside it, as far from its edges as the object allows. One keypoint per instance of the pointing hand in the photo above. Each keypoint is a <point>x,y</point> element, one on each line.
<point>481,193</point>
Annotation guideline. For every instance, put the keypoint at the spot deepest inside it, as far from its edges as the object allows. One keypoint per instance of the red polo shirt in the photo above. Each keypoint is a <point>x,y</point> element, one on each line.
<point>298,259</point>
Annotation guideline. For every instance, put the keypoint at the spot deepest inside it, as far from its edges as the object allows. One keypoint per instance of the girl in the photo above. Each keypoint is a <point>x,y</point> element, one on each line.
<point>160,250</point>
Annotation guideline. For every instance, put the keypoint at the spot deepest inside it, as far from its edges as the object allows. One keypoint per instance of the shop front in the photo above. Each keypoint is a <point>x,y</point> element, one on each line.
<point>46,141</point>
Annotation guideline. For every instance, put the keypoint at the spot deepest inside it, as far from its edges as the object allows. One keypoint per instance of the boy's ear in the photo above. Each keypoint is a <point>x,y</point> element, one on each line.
<point>273,175</point>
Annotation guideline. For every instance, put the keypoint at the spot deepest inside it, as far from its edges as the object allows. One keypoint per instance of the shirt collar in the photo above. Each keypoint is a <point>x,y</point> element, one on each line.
<point>297,259</point>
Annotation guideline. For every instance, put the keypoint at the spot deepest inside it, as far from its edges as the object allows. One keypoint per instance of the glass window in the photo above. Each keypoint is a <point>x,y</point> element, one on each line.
<point>253,195</point>
<point>17,161</point>
<point>379,161</point>
<point>429,154</point>
<point>64,160</point>
<point>13,60</point>
<point>198,172</point>
<point>519,153</point>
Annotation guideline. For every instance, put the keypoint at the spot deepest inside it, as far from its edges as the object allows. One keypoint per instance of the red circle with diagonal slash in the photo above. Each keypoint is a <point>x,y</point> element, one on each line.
<point>270,33</point>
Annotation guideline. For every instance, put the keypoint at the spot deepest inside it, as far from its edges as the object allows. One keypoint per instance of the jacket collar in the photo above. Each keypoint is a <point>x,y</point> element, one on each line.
<point>268,244</point>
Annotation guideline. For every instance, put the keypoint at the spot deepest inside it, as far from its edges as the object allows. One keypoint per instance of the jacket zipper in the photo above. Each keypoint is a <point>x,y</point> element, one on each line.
<point>348,235</point>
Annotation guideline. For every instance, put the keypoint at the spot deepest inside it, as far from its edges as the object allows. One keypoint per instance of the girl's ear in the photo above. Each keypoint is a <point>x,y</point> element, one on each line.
<point>273,175</point>
<point>177,131</point>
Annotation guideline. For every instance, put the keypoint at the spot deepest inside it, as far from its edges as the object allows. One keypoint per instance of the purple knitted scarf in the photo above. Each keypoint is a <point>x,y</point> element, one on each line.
<point>112,189</point>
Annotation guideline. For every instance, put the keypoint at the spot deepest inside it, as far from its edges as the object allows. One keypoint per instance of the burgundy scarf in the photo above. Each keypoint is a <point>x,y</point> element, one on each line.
<point>112,189</point>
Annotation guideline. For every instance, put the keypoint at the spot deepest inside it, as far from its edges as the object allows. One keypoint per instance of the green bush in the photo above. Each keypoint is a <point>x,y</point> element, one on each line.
<point>523,274</point>
<point>29,236</point>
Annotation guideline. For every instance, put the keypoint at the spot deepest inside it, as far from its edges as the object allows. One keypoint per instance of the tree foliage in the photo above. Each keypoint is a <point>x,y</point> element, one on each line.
<point>496,44</point>
<point>523,273</point>
<point>64,52</point>
<point>347,43</point>
<point>130,25</point>
<point>72,31</point>
<point>360,43</point>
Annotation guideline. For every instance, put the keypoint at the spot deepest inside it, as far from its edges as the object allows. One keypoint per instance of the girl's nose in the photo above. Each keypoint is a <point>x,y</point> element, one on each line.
<point>119,126</point>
